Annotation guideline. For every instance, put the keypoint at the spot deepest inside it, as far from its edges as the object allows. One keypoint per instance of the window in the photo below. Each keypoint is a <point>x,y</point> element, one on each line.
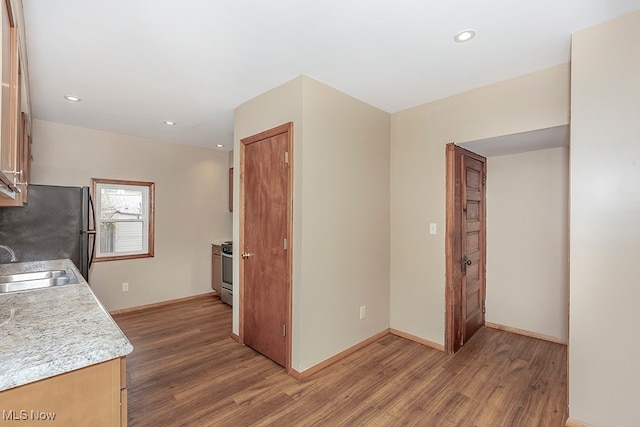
<point>124,219</point>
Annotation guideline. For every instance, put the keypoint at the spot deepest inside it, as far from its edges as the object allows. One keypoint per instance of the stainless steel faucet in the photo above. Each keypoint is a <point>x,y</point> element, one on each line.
<point>10,252</point>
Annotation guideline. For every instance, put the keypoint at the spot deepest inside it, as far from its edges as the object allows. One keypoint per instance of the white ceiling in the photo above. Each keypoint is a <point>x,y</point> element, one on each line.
<point>136,63</point>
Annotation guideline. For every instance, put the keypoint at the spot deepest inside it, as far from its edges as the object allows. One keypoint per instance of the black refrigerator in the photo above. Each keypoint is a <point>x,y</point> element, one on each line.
<point>56,222</point>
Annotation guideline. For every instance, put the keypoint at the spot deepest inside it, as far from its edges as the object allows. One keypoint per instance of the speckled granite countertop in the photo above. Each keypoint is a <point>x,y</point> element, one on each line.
<point>220,241</point>
<point>50,331</point>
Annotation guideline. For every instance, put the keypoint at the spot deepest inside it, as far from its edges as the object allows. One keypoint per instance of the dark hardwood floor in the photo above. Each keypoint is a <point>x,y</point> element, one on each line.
<point>186,370</point>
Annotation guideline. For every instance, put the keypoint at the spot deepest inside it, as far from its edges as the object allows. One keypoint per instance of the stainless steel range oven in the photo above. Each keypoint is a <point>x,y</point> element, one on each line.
<point>227,273</point>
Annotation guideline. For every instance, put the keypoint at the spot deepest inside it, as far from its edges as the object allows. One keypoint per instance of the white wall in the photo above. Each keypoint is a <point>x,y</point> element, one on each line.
<point>191,206</point>
<point>341,213</point>
<point>418,137</point>
<point>605,218</point>
<point>527,241</point>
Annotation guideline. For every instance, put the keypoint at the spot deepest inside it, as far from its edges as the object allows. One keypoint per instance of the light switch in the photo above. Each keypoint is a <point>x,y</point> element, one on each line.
<point>432,228</point>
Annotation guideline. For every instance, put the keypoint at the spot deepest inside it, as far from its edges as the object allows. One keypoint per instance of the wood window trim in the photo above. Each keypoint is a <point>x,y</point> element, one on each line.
<point>151,219</point>
<point>452,252</point>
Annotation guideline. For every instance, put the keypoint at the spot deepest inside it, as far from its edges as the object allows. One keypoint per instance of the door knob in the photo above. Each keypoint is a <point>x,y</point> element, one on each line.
<point>245,255</point>
<point>465,261</point>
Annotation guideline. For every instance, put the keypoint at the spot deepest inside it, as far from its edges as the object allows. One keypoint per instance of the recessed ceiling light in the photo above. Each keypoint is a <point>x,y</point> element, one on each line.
<point>219,145</point>
<point>464,36</point>
<point>72,98</point>
<point>169,123</point>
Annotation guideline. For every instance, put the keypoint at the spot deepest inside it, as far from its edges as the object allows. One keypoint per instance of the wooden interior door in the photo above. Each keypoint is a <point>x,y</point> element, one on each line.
<point>265,239</point>
<point>473,245</point>
<point>465,246</point>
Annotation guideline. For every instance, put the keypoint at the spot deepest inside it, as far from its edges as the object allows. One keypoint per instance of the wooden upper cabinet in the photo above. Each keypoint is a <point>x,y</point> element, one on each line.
<point>7,146</point>
<point>15,149</point>
<point>230,189</point>
<point>24,136</point>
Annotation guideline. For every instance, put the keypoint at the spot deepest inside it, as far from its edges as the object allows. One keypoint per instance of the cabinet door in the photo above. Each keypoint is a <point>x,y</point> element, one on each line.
<point>24,140</point>
<point>8,146</point>
<point>86,397</point>
<point>24,164</point>
<point>216,269</point>
<point>123,393</point>
<point>230,189</point>
<point>12,149</point>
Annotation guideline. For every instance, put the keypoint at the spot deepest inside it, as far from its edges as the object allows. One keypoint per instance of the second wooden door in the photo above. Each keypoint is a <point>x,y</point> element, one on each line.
<point>265,219</point>
<point>473,260</point>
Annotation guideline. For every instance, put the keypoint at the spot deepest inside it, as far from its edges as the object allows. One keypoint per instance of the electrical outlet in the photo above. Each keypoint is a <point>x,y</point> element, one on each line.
<point>363,312</point>
<point>125,287</point>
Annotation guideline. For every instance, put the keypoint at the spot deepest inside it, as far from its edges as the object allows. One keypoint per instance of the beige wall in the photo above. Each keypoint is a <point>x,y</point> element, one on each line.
<point>345,223</point>
<point>341,213</point>
<point>527,241</point>
<point>191,206</point>
<point>605,218</point>
<point>418,138</point>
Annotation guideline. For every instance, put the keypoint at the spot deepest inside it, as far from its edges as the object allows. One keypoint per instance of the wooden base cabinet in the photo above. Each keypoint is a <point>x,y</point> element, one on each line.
<point>93,396</point>
<point>216,269</point>
<point>123,392</point>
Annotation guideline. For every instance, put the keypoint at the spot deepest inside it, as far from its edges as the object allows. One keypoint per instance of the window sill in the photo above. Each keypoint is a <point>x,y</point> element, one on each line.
<point>122,257</point>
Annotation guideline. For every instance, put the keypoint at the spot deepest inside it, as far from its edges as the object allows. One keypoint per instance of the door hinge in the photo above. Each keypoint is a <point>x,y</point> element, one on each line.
<point>484,307</point>
<point>286,157</point>
<point>285,243</point>
<point>484,179</point>
<point>284,330</point>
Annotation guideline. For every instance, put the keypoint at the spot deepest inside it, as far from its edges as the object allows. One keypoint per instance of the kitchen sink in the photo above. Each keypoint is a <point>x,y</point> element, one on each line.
<point>20,277</point>
<point>35,280</point>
